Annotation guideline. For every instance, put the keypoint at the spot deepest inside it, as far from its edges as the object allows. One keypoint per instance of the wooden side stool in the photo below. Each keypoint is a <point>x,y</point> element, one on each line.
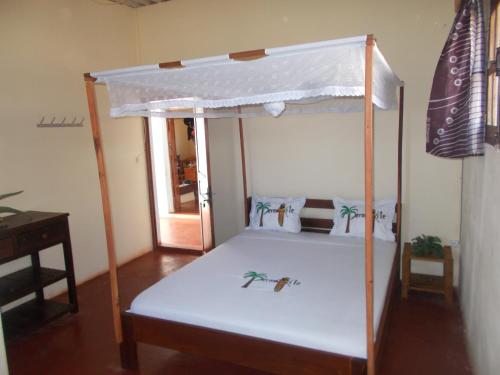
<point>428,283</point>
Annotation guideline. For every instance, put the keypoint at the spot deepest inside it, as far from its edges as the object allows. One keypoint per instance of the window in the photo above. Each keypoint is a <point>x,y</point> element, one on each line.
<point>492,134</point>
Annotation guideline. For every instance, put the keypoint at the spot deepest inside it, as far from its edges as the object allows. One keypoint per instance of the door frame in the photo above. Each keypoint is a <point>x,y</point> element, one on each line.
<point>152,199</point>
<point>151,191</point>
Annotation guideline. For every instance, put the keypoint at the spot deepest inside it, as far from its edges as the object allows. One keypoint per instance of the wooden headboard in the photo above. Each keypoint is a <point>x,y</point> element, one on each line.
<point>317,225</point>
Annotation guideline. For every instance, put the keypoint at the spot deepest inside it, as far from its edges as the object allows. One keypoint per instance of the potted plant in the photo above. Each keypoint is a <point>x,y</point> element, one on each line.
<point>424,245</point>
<point>5,209</point>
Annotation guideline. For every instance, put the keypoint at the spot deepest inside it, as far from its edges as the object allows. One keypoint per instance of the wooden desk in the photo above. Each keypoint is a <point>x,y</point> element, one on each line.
<point>428,283</point>
<point>190,188</point>
<point>26,234</point>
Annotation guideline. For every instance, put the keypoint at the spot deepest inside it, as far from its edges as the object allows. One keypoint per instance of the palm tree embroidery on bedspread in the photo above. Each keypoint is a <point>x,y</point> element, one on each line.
<point>280,283</point>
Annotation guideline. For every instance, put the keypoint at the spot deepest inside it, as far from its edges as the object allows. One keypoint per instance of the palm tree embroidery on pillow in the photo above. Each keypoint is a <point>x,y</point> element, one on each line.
<point>264,208</point>
<point>350,212</point>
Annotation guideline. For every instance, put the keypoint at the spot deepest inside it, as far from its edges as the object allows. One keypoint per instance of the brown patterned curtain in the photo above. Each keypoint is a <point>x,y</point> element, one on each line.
<point>456,113</point>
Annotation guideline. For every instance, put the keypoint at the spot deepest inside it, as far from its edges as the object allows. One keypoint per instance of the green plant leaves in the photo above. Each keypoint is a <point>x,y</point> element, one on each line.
<point>3,196</point>
<point>424,245</point>
<point>10,210</point>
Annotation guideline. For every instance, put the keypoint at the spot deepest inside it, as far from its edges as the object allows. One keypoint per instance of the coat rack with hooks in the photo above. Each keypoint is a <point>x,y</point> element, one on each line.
<point>60,124</point>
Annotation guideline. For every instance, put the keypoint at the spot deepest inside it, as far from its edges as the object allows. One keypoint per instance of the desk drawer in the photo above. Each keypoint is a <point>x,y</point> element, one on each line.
<point>6,248</point>
<point>41,237</point>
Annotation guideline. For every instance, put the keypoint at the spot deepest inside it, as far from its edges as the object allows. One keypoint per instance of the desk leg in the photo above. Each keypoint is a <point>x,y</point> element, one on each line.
<point>406,272</point>
<point>35,262</point>
<point>70,277</point>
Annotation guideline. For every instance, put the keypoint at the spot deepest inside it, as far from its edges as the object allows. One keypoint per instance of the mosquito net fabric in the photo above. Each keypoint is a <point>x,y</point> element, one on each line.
<point>309,78</point>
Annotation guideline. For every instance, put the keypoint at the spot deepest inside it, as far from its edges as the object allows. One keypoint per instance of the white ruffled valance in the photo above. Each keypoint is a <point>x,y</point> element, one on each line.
<point>310,78</point>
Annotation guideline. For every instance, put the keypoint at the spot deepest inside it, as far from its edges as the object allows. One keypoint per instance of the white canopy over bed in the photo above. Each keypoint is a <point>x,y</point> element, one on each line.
<point>317,77</point>
<point>341,75</point>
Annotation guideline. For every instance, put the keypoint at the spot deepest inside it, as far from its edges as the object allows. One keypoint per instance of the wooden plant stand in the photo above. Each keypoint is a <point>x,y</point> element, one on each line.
<point>428,283</point>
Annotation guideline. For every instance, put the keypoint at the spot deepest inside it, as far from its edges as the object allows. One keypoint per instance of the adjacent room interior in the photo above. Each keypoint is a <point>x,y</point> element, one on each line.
<point>174,171</point>
<point>236,187</point>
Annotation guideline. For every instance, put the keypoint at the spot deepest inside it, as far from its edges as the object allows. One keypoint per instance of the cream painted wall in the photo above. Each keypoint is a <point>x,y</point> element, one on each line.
<point>185,148</point>
<point>45,46</point>
<point>480,263</point>
<point>321,155</point>
<point>324,148</point>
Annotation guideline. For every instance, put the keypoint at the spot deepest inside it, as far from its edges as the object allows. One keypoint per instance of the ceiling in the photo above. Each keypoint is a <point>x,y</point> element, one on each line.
<point>137,3</point>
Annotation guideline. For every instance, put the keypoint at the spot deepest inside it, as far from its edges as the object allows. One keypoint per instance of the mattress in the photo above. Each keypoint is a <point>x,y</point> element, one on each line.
<point>321,307</point>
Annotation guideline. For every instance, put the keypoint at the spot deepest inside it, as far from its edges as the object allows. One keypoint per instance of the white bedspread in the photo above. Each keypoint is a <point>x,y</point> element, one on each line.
<point>324,309</point>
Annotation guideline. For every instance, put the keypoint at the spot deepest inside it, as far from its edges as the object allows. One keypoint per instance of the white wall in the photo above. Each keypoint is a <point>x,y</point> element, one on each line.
<point>480,263</point>
<point>45,46</point>
<point>321,155</point>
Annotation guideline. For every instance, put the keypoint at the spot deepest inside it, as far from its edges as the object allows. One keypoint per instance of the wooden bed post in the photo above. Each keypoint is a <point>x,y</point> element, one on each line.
<point>106,206</point>
<point>149,173</point>
<point>243,168</point>
<point>370,343</point>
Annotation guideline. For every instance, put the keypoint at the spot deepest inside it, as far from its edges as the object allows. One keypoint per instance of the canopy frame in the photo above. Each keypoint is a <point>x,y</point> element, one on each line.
<point>371,344</point>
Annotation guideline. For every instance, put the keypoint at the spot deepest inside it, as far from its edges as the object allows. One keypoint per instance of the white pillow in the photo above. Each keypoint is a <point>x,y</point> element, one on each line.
<point>276,214</point>
<point>349,218</point>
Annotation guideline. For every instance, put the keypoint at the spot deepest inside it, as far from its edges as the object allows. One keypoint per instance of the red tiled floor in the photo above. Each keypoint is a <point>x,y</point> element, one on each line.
<point>181,231</point>
<point>425,336</point>
<point>189,207</point>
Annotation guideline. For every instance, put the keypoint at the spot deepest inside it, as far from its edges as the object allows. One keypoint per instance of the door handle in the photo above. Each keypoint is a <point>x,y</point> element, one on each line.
<point>207,196</point>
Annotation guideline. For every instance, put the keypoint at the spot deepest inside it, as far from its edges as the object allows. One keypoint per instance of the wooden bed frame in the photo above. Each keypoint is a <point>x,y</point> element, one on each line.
<point>262,354</point>
<point>279,358</point>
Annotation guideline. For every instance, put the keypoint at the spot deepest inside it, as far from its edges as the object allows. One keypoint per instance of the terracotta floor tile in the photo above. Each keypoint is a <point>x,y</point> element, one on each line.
<point>425,336</point>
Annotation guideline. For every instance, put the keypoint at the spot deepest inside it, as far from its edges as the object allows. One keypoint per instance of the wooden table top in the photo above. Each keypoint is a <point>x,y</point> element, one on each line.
<point>27,220</point>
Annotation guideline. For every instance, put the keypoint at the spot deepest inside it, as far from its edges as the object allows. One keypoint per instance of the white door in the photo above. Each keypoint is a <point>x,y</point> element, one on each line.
<point>204,184</point>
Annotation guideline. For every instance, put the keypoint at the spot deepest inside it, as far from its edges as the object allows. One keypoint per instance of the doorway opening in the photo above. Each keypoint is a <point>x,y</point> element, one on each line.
<point>182,158</point>
<point>180,183</point>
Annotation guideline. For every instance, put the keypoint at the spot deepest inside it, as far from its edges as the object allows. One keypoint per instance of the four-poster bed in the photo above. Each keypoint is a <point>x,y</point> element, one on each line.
<point>327,76</point>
